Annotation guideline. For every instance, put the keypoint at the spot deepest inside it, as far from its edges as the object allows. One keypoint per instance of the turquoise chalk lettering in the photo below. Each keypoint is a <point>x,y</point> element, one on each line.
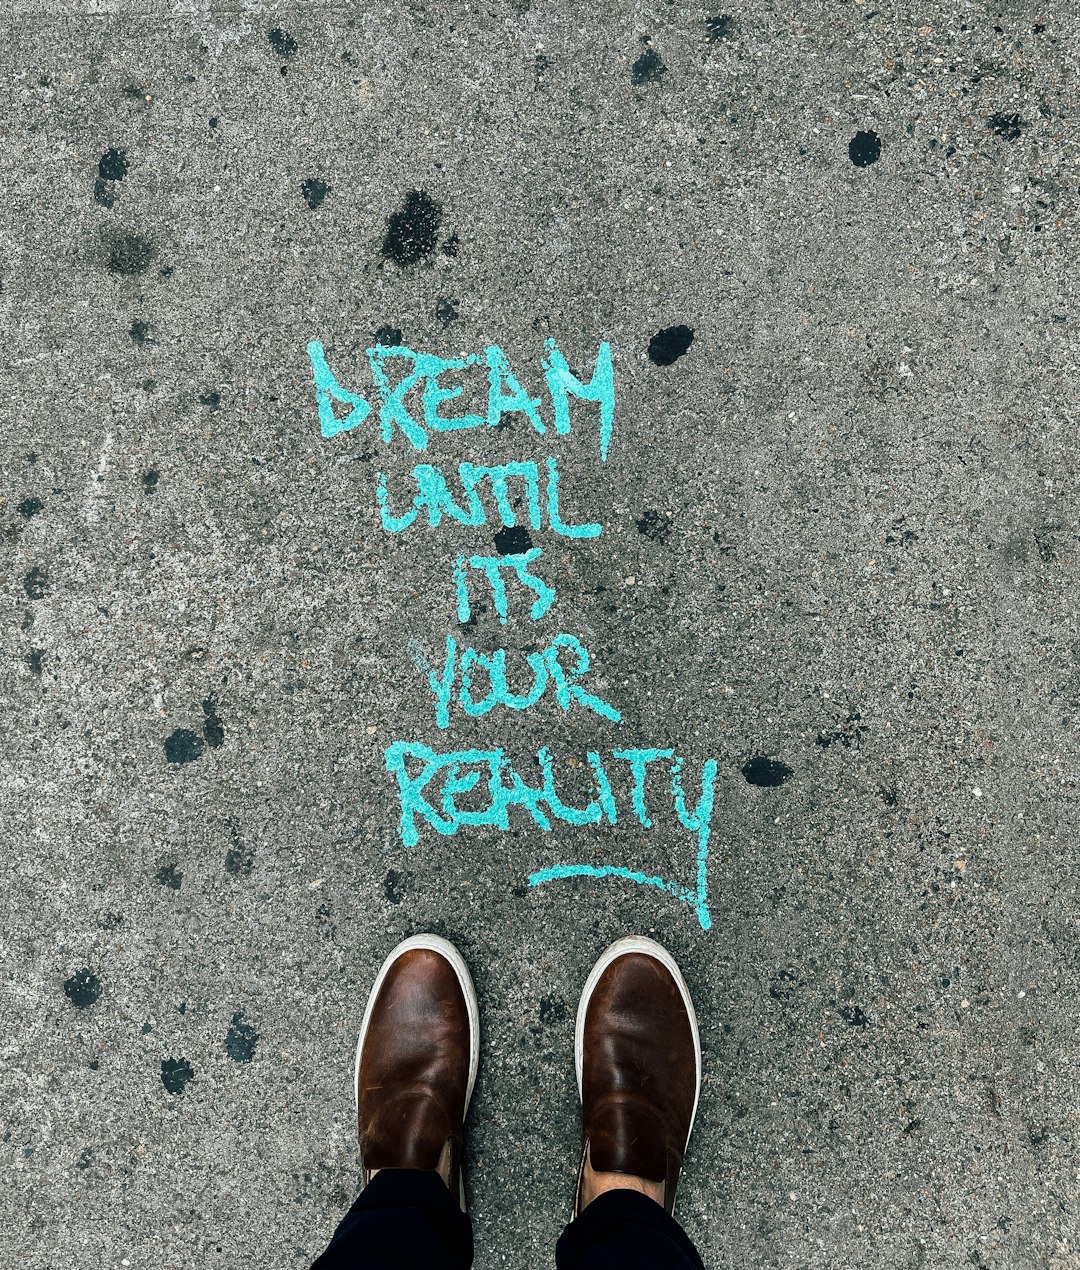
<point>464,612</point>
<point>554,519</point>
<point>698,821</point>
<point>460,668</point>
<point>492,567</point>
<point>433,397</point>
<point>603,788</point>
<point>456,784</point>
<point>517,793</point>
<point>563,384</point>
<point>433,493</point>
<point>392,409</point>
<point>499,693</point>
<point>639,761</point>
<point>499,476</point>
<point>414,805</point>
<point>566,689</point>
<point>572,815</point>
<point>391,523</point>
<point>442,686</point>
<point>505,393</point>
<point>328,390</point>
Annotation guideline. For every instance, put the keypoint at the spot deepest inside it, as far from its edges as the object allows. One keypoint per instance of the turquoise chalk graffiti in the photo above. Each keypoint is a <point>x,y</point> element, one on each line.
<point>411,397</point>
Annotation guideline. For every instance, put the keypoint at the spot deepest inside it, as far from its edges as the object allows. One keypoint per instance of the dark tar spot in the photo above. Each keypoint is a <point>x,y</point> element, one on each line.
<point>512,541</point>
<point>762,770</point>
<point>183,746</point>
<point>853,1016</point>
<point>238,859</point>
<point>240,1040</point>
<point>446,310</point>
<point>388,337</point>
<point>314,191</point>
<point>720,26</point>
<point>35,583</point>
<point>176,1074</point>
<point>30,506</point>
<point>33,660</point>
<point>112,166</point>
<point>654,525</point>
<point>1007,127</point>
<point>392,886</point>
<point>412,233</point>
<point>211,398</point>
<point>668,345</point>
<point>552,1010</point>
<point>150,480</point>
<point>103,194</point>
<point>82,989</point>
<point>452,245</point>
<point>140,333</point>
<point>213,728</point>
<point>169,875</point>
<point>864,148</point>
<point>129,254</point>
<point>648,68</point>
<point>282,43</point>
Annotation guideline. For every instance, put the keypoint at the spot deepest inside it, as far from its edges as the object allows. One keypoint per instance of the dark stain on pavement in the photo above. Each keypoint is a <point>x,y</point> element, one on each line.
<point>446,310</point>
<point>512,541</point>
<point>83,988</point>
<point>140,333</point>
<point>129,254</point>
<point>762,770</point>
<point>654,525</point>
<point>668,345</point>
<point>720,26</point>
<point>388,336</point>
<point>213,729</point>
<point>36,583</point>
<point>169,875</point>
<point>314,191</point>
<point>282,43</point>
<point>150,480</point>
<point>241,1039</point>
<point>864,148</point>
<point>176,1074</point>
<point>183,746</point>
<point>413,232</point>
<point>1007,127</point>
<point>648,68</point>
<point>30,507</point>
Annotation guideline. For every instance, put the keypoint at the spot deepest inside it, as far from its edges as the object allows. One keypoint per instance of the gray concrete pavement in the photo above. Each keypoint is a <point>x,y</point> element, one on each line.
<point>839,555</point>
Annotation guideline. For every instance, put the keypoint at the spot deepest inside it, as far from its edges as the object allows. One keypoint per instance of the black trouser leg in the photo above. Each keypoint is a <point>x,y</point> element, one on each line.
<point>622,1230</point>
<point>405,1219</point>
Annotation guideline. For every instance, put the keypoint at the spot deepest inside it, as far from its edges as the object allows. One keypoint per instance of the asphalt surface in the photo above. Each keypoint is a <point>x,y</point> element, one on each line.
<point>839,555</point>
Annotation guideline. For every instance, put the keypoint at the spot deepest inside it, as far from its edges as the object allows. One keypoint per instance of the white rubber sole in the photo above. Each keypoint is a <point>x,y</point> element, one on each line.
<point>650,948</point>
<point>433,943</point>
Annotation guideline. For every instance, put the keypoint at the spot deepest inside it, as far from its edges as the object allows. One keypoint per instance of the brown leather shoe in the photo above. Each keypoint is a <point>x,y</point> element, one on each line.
<point>638,1062</point>
<point>416,1061</point>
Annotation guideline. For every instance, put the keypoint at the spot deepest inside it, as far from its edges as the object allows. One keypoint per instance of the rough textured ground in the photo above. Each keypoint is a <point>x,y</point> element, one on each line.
<point>840,532</point>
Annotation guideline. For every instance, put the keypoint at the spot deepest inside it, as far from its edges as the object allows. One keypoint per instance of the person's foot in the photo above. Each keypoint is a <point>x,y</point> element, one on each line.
<point>638,1062</point>
<point>416,1061</point>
